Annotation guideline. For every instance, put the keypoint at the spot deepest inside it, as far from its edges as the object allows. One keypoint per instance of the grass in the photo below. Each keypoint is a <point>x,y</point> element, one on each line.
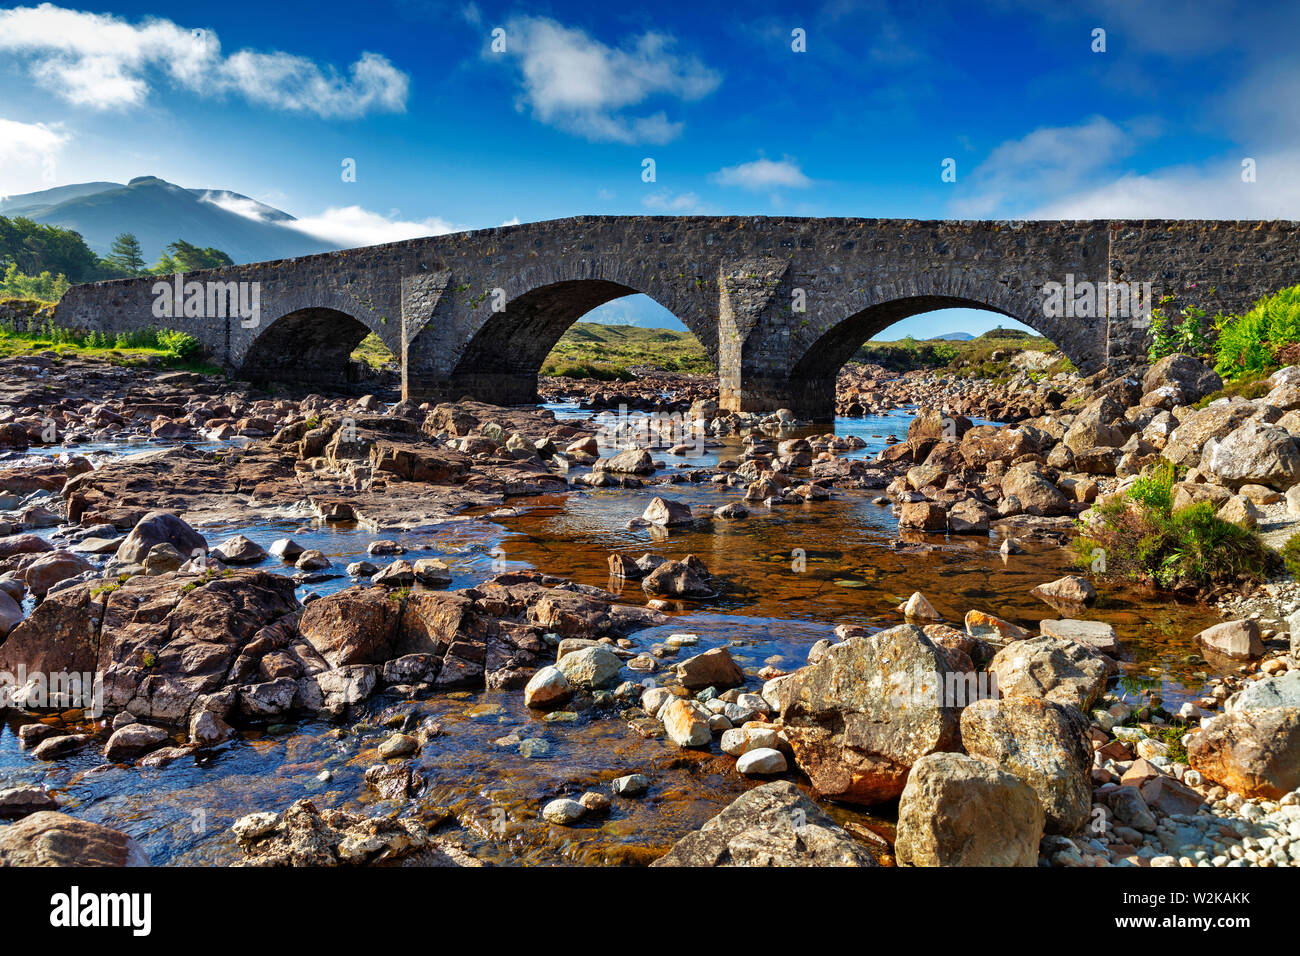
<point>609,352</point>
<point>373,352</point>
<point>152,347</point>
<point>1140,537</point>
<point>1291,555</point>
<point>1250,385</point>
<point>987,356</point>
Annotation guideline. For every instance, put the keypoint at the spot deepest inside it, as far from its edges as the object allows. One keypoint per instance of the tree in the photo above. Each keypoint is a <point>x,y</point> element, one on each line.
<point>127,255</point>
<point>182,256</point>
<point>35,248</point>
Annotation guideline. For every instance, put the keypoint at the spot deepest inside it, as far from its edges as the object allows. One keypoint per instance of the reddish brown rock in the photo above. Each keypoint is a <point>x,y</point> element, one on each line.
<point>49,838</point>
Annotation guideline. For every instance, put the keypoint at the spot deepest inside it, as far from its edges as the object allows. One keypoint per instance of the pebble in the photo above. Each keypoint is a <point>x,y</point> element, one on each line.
<point>761,761</point>
<point>631,785</point>
<point>563,812</point>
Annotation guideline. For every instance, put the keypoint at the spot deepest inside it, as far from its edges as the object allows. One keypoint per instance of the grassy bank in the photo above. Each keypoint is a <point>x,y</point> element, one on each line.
<point>590,350</point>
<point>986,356</point>
<point>153,347</point>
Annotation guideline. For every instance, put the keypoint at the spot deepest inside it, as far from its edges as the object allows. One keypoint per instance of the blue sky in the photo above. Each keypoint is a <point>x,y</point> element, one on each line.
<point>446,133</point>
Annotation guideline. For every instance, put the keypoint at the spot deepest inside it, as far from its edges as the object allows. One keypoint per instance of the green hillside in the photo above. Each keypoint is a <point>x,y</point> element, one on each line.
<point>589,350</point>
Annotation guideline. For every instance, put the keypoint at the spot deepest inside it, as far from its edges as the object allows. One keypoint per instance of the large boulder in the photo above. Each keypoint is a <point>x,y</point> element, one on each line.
<point>988,443</point>
<point>1042,743</point>
<point>50,838</point>
<point>134,740</point>
<point>547,688</point>
<point>1256,453</point>
<point>1280,690</point>
<point>968,516</point>
<point>632,462</point>
<point>687,723</point>
<point>771,825</point>
<point>1037,495</point>
<point>51,568</point>
<point>1255,753</point>
<point>353,626</point>
<point>958,810</point>
<point>667,513</point>
<point>858,718</point>
<point>1101,424</point>
<point>1066,594</point>
<point>168,641</point>
<point>239,550</point>
<point>1216,420</point>
<point>677,579</point>
<point>160,527</point>
<point>1235,640</point>
<point>590,667</point>
<point>713,668</point>
<point>11,614</point>
<point>17,544</point>
<point>1064,672</point>
<point>1192,378</point>
<point>922,516</point>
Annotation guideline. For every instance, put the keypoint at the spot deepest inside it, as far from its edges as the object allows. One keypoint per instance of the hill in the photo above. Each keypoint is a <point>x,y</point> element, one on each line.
<point>159,212</point>
<point>593,350</point>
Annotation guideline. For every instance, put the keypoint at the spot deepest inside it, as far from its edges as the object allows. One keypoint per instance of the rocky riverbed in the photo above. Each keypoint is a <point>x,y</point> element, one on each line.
<point>330,630</point>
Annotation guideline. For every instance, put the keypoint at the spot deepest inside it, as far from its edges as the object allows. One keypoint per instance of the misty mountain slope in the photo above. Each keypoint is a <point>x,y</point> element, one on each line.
<point>158,212</point>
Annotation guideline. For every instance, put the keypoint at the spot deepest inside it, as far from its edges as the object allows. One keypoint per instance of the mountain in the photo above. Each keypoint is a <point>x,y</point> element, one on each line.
<point>159,212</point>
<point>31,205</point>
<point>954,337</point>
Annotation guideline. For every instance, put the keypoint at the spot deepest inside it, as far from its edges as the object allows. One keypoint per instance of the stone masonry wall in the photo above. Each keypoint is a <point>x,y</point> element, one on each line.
<point>779,303</point>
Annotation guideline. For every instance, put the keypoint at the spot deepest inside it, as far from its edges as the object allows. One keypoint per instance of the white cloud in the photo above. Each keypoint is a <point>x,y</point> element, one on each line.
<point>240,206</point>
<point>1212,190</point>
<point>575,82</point>
<point>1074,172</point>
<point>676,204</point>
<point>512,221</point>
<point>19,141</point>
<point>1049,162</point>
<point>104,62</point>
<point>28,152</point>
<point>763,174</point>
<point>347,227</point>
<point>350,226</point>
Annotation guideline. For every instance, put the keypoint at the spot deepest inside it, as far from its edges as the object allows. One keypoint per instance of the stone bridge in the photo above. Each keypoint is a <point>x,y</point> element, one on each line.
<point>780,304</point>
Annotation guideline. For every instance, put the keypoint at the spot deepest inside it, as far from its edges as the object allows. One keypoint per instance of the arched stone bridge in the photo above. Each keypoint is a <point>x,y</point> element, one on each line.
<point>779,303</point>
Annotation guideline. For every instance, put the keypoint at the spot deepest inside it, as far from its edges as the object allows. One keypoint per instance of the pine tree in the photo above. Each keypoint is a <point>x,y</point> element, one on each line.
<point>127,255</point>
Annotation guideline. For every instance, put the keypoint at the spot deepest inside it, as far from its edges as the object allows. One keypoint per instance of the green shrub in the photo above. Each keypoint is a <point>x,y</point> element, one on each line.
<point>1190,334</point>
<point>1291,555</point>
<point>43,287</point>
<point>1252,342</point>
<point>1140,537</point>
<point>181,344</point>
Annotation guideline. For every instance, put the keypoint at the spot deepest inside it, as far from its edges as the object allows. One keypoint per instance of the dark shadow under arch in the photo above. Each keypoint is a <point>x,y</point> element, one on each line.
<point>311,346</point>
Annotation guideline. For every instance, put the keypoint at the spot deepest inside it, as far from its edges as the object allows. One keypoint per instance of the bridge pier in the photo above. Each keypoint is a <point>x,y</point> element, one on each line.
<point>807,398</point>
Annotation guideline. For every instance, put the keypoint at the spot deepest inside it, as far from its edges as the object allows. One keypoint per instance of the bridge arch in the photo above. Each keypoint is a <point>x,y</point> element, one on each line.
<point>504,354</point>
<point>308,345</point>
<point>819,349</point>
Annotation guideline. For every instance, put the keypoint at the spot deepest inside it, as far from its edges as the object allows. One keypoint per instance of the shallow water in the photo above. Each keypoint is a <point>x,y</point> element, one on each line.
<point>792,574</point>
